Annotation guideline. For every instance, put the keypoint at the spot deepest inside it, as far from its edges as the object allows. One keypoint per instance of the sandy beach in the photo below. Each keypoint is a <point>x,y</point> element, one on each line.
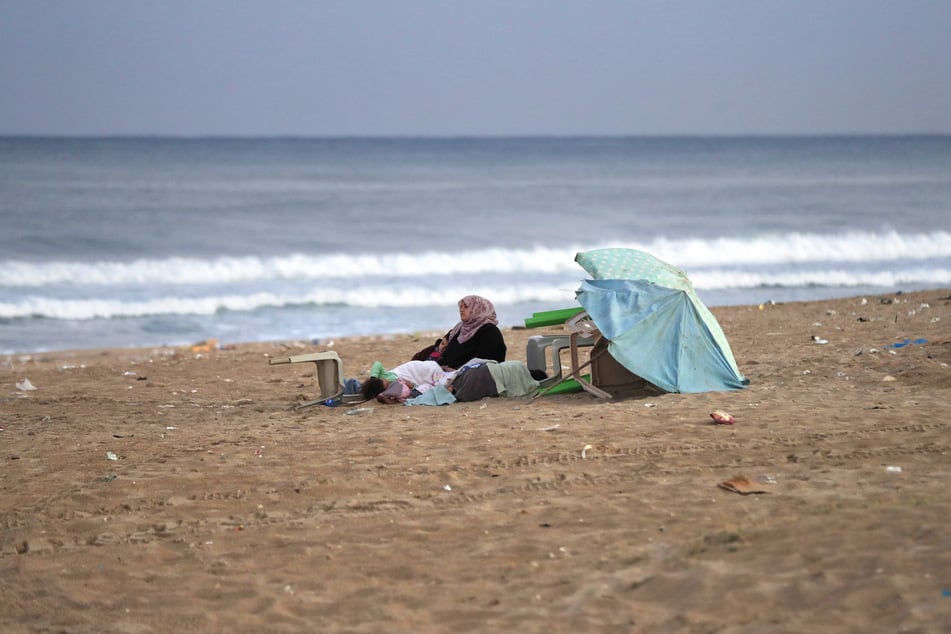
<point>177,490</point>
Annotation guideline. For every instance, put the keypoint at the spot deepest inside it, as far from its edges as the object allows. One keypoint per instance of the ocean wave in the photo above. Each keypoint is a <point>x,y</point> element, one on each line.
<point>503,293</point>
<point>692,253</point>
<point>360,297</point>
<point>718,280</point>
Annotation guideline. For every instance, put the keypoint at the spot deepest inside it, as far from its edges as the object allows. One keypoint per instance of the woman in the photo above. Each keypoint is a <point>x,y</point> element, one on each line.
<point>476,336</point>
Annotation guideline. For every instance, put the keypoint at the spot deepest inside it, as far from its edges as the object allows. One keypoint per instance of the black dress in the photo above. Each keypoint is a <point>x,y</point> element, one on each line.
<point>486,343</point>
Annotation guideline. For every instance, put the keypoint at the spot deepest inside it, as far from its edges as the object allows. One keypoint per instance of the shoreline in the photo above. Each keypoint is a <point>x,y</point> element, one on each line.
<point>330,341</point>
<point>103,332</point>
<point>224,509</point>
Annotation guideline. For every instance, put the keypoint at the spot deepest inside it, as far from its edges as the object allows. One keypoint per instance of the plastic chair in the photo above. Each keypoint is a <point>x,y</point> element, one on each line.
<point>574,318</point>
<point>535,355</point>
<point>329,373</point>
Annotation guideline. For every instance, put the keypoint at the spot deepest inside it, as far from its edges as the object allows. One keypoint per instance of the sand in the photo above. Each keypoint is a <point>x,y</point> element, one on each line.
<point>225,510</point>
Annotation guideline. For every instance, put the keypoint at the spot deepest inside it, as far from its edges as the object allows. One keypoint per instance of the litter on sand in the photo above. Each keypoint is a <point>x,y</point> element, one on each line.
<point>742,485</point>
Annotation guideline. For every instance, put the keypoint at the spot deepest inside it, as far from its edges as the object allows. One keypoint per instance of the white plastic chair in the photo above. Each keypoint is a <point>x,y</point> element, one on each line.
<point>329,373</point>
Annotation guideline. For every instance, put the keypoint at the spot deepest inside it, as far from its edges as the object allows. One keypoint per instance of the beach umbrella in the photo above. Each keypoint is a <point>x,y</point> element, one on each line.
<point>655,323</point>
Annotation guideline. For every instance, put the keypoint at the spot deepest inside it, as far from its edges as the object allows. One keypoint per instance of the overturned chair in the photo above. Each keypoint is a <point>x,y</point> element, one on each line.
<point>543,352</point>
<point>329,373</point>
<point>582,333</point>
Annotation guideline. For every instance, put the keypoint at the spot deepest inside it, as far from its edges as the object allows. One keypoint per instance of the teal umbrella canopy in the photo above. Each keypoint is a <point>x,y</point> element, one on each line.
<point>656,324</point>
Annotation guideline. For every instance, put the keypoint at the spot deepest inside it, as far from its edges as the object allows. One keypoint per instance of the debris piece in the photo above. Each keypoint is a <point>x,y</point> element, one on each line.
<point>721,417</point>
<point>742,485</point>
<point>205,346</point>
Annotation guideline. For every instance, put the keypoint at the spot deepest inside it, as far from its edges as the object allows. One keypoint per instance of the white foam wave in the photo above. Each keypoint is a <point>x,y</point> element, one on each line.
<point>690,253</point>
<point>724,279</point>
<point>375,296</point>
<point>365,297</point>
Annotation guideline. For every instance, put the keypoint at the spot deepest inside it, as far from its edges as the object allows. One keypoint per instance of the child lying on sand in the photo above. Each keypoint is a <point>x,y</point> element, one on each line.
<point>475,380</point>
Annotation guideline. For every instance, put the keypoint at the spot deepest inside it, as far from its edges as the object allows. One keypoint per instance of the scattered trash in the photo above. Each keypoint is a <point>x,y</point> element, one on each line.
<point>25,385</point>
<point>721,417</point>
<point>888,378</point>
<point>819,340</point>
<point>359,410</point>
<point>205,346</point>
<point>584,451</point>
<point>448,488</point>
<point>550,427</point>
<point>766,479</point>
<point>907,342</point>
<point>893,469</point>
<point>742,485</point>
<point>332,402</point>
<point>111,456</point>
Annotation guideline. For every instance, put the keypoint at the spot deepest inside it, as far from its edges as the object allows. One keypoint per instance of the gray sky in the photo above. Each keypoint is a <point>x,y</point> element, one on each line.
<point>426,67</point>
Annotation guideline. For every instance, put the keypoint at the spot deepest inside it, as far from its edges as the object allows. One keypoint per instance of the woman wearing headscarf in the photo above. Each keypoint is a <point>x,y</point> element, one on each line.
<point>475,336</point>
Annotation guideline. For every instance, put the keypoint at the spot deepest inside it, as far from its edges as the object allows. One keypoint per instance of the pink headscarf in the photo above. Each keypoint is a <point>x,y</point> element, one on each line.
<point>481,312</point>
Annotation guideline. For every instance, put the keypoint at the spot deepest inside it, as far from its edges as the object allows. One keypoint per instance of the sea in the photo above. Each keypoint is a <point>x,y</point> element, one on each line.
<point>154,241</point>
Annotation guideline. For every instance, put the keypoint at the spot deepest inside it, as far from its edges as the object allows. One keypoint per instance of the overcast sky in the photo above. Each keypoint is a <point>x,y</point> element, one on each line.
<point>498,67</point>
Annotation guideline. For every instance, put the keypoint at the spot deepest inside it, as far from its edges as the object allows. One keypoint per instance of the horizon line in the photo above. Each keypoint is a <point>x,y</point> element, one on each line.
<point>290,136</point>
